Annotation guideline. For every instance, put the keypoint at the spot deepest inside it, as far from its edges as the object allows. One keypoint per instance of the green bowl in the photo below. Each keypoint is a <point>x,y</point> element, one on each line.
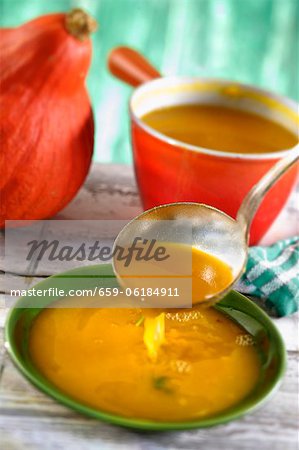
<point>240,309</point>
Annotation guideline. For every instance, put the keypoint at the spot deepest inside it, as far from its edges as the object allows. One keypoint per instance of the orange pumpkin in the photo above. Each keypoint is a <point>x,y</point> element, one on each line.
<point>46,120</point>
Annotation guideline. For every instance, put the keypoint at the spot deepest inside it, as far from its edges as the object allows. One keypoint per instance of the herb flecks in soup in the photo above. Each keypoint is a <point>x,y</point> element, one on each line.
<point>220,128</point>
<point>98,357</point>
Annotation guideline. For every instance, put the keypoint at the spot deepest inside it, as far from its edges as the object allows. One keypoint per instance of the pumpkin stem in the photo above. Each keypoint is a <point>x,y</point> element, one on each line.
<point>79,24</point>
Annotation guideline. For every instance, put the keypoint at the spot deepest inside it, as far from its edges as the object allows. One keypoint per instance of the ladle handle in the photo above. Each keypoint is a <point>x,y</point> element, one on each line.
<point>255,196</point>
<point>130,66</point>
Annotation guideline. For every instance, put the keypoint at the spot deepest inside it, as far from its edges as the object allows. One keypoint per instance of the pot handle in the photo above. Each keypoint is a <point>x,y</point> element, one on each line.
<point>130,66</point>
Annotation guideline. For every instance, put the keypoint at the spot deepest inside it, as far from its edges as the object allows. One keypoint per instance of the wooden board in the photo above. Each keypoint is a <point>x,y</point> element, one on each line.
<point>30,419</point>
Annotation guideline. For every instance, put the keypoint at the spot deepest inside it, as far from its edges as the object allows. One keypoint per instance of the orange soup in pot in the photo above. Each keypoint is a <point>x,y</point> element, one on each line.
<point>220,128</point>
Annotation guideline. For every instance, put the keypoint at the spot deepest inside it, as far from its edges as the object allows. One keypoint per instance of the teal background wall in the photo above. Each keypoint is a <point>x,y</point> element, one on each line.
<point>253,41</point>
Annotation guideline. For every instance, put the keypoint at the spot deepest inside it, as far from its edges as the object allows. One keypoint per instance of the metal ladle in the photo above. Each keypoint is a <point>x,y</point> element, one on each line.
<point>213,231</point>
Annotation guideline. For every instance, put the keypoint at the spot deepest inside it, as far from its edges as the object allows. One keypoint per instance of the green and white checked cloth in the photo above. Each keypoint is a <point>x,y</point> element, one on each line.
<point>272,275</point>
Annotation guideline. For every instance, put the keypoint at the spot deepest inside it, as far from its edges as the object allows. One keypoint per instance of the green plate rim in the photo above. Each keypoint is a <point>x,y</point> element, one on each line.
<point>225,416</point>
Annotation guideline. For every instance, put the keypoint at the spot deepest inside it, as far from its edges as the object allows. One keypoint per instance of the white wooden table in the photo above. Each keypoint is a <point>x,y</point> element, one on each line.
<point>31,420</point>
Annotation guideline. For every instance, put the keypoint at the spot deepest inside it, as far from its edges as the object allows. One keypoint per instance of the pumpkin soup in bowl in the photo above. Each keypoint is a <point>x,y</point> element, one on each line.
<point>207,366</point>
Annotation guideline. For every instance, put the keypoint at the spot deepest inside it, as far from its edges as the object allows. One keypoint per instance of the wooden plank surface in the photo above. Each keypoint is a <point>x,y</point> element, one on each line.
<point>29,419</point>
